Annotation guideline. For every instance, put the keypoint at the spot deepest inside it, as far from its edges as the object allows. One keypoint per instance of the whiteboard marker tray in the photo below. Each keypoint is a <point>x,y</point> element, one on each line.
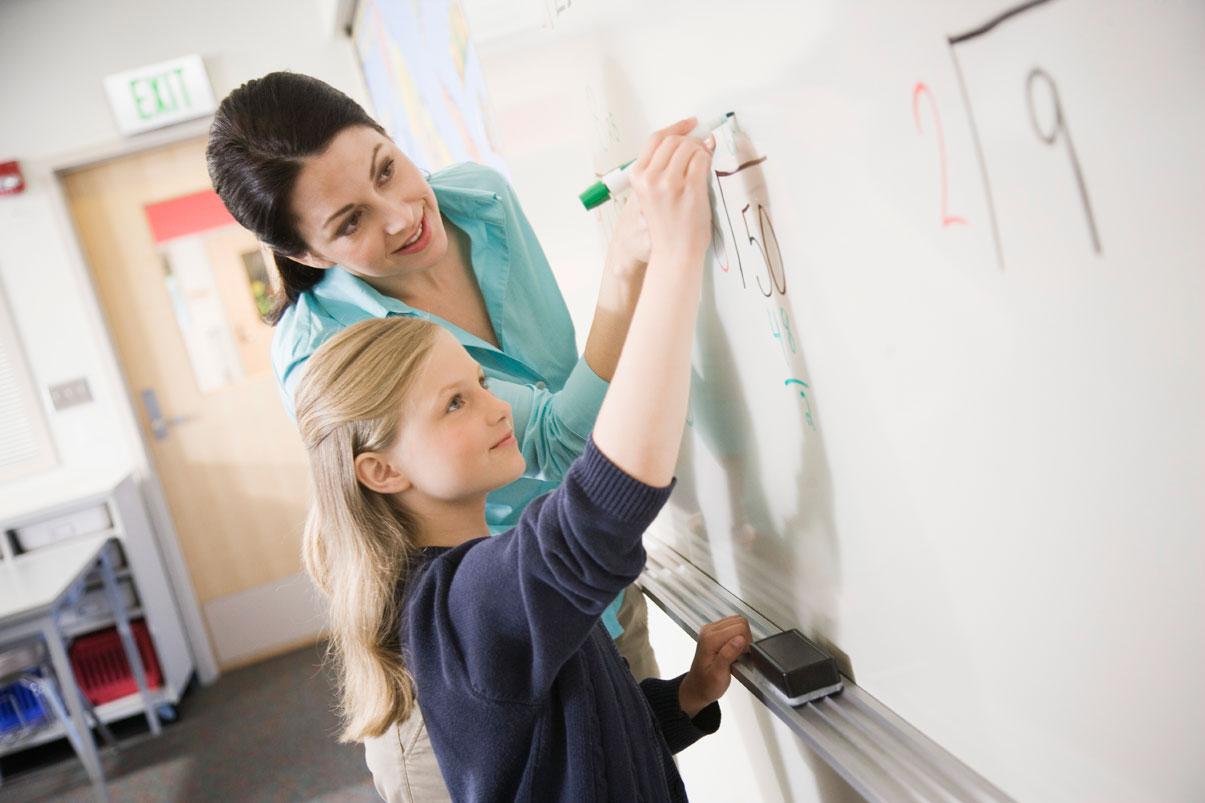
<point>873,749</point>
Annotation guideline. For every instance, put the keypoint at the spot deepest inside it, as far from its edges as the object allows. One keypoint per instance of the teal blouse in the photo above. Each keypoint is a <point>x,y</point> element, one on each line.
<point>553,394</point>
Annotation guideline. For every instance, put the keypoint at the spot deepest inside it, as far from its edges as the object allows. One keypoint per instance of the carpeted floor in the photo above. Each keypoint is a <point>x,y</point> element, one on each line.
<point>264,733</point>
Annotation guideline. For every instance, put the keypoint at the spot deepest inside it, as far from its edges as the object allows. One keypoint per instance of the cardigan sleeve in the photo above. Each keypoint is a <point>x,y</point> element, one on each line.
<point>502,615</point>
<point>679,730</point>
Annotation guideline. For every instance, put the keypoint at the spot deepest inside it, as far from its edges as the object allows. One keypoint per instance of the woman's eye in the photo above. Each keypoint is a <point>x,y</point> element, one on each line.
<point>386,171</point>
<point>485,383</point>
<point>456,403</point>
<point>350,224</point>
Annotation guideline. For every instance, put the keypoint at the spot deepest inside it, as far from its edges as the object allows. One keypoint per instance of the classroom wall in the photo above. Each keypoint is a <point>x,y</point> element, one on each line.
<point>55,55</point>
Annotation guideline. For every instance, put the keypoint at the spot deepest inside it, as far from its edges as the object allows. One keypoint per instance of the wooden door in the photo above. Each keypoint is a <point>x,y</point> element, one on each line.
<point>229,458</point>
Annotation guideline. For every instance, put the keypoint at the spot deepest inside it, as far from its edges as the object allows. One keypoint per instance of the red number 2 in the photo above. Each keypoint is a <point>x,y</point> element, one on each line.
<point>946,218</point>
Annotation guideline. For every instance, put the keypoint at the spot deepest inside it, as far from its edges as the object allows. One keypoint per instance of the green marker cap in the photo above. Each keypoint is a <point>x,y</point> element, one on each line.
<point>594,195</point>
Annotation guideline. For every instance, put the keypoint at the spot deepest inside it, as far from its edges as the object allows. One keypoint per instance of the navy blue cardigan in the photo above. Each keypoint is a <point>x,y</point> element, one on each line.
<point>524,695</point>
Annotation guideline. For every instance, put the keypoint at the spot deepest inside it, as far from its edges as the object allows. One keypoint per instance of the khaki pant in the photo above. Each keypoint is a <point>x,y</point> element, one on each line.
<point>402,761</point>
<point>633,643</point>
<point>403,764</point>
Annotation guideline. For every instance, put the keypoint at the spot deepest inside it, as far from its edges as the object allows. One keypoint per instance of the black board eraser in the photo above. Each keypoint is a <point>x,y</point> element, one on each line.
<point>799,670</point>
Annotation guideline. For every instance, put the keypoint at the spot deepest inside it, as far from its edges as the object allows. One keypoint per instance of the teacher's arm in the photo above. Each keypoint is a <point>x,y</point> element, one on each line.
<point>552,428</point>
<point>623,276</point>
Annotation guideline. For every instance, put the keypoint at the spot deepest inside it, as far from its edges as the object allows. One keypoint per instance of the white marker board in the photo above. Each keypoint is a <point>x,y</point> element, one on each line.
<point>955,427</point>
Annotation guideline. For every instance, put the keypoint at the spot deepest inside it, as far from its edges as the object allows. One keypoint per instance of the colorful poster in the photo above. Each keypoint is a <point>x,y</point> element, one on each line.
<point>425,82</point>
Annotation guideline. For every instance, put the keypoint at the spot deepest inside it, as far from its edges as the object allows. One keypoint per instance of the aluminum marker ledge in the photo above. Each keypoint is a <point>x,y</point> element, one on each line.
<point>873,749</point>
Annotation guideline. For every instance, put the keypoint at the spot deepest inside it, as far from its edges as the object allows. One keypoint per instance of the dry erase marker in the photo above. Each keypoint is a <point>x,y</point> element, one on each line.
<point>618,181</point>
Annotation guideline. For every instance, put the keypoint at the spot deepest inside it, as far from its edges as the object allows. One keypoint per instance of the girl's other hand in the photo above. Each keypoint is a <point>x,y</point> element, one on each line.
<point>670,180</point>
<point>719,645</point>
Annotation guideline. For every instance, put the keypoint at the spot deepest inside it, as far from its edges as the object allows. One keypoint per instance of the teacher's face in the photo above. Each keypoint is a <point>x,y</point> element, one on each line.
<point>363,205</point>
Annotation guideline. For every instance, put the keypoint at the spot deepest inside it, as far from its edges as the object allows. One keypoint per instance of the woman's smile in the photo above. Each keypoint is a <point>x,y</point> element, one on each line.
<point>418,240</point>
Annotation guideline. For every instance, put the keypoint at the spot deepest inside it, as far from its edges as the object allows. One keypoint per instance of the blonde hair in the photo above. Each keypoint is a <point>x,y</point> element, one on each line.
<point>358,543</point>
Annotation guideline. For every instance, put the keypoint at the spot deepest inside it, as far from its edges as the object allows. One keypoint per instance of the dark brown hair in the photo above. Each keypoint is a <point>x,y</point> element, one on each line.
<point>261,135</point>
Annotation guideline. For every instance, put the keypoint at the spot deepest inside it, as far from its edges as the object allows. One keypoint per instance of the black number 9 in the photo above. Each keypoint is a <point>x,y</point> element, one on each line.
<point>1058,129</point>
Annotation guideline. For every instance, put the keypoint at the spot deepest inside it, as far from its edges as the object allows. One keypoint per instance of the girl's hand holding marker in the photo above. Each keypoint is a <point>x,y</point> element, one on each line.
<point>670,179</point>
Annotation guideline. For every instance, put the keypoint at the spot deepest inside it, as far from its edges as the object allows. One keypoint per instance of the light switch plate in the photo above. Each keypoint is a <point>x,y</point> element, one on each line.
<point>70,393</point>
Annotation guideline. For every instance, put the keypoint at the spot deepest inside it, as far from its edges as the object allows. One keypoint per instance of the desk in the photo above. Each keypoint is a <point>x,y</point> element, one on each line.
<point>34,588</point>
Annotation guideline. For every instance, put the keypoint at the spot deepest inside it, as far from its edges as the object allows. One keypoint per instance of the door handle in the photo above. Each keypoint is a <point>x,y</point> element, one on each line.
<point>160,425</point>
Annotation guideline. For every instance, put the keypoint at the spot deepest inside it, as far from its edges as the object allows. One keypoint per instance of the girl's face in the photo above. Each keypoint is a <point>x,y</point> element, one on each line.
<point>363,205</point>
<point>456,442</point>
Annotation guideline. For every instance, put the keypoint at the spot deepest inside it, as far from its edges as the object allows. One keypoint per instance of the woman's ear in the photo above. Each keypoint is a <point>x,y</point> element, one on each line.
<point>374,471</point>
<point>309,260</point>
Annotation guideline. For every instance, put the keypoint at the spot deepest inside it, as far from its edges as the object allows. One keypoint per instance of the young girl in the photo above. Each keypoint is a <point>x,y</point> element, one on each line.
<point>497,640</point>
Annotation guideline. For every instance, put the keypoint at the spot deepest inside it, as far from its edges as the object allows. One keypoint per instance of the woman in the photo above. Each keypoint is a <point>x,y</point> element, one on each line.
<point>359,232</point>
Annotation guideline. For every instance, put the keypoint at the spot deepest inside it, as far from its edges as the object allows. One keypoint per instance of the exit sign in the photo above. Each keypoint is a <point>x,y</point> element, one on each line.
<point>160,94</point>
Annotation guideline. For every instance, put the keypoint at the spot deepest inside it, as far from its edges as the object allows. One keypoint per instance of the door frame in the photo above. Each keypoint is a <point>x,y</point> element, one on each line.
<point>53,169</point>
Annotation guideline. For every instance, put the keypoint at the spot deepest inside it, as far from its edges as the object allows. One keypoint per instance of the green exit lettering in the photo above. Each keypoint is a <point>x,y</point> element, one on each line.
<point>160,94</point>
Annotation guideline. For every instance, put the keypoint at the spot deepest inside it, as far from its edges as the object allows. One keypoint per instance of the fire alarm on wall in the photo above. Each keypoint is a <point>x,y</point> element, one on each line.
<point>11,180</point>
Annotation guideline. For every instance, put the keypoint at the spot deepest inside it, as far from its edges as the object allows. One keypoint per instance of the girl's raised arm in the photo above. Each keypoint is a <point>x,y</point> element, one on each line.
<point>640,424</point>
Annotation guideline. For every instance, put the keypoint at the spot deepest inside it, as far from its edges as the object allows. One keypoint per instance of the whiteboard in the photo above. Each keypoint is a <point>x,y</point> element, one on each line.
<point>947,412</point>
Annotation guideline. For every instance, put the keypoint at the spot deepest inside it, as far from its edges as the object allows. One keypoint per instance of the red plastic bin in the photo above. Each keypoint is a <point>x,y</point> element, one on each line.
<point>101,668</point>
